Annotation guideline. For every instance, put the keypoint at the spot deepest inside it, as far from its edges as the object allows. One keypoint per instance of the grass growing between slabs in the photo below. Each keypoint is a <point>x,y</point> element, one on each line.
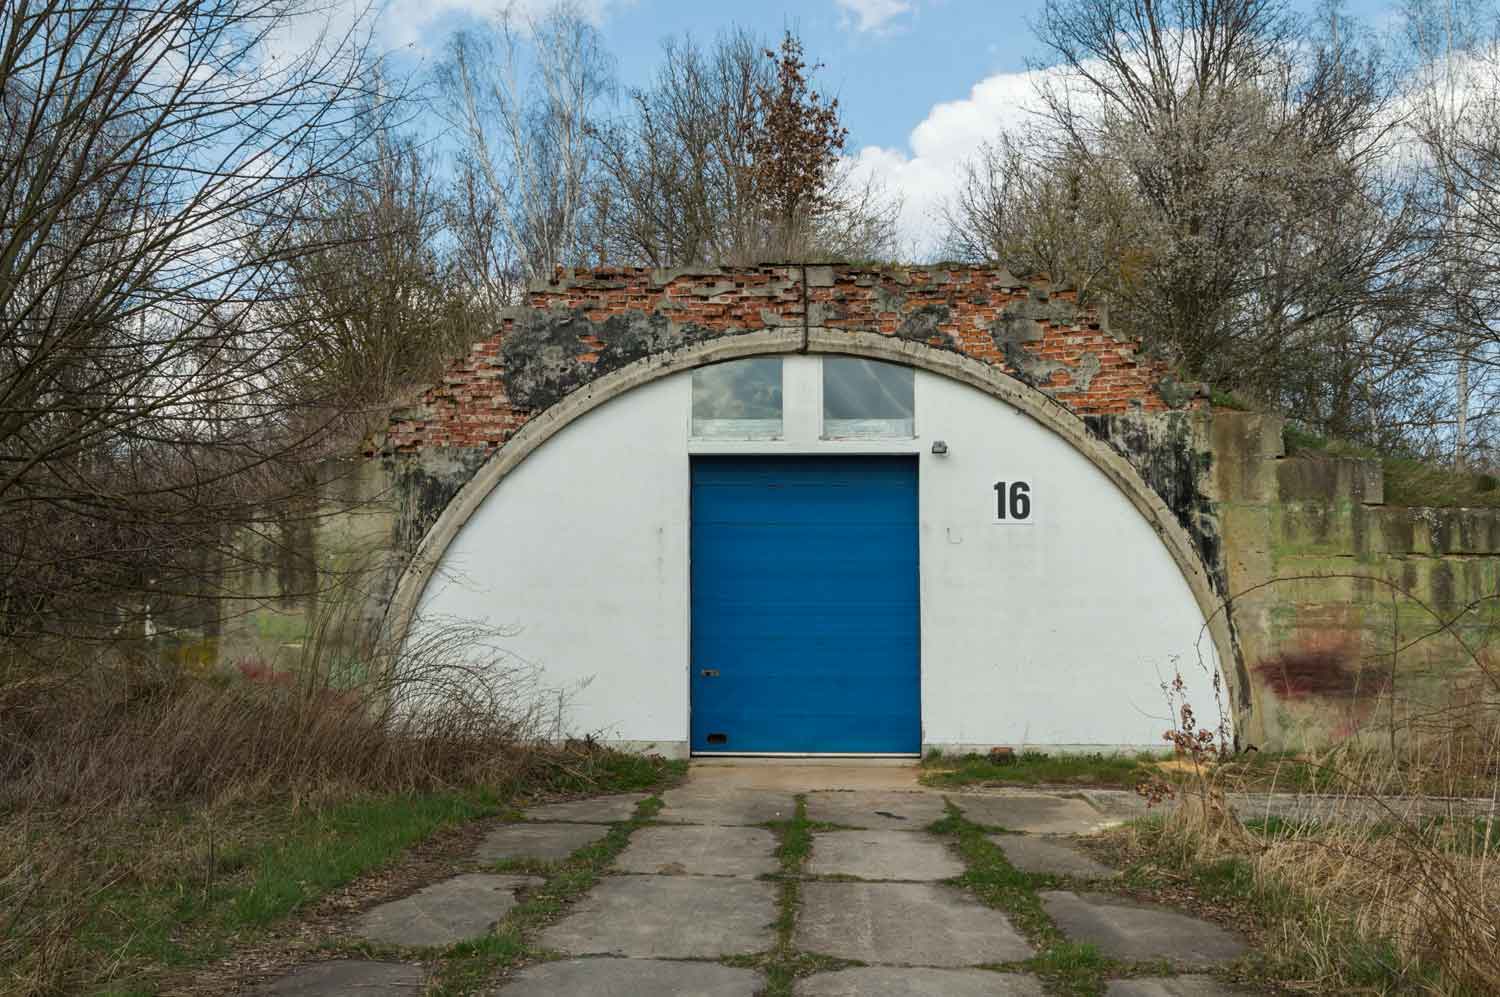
<point>470,966</point>
<point>1330,774</point>
<point>1065,967</point>
<point>785,964</point>
<point>1338,906</point>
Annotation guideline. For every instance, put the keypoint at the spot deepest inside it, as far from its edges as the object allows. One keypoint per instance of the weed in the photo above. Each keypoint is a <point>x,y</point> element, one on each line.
<point>1072,968</point>
<point>1408,480</point>
<point>795,839</point>
<point>785,964</point>
<point>1229,400</point>
<point>989,875</point>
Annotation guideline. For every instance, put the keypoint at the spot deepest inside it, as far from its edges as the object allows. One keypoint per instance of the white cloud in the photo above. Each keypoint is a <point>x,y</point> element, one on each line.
<point>417,26</point>
<point>873,15</point>
<point>927,171</point>
<point>407,23</point>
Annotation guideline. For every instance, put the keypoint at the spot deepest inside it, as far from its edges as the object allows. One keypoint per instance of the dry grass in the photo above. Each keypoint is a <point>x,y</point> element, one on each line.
<point>1371,879</point>
<point>147,816</point>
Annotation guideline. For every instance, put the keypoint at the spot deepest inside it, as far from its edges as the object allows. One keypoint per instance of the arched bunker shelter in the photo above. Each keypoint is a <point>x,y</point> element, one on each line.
<point>814,509</point>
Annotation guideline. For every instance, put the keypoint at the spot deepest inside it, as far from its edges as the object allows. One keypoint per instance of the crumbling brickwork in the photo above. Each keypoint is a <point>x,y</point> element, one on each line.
<point>582,325</point>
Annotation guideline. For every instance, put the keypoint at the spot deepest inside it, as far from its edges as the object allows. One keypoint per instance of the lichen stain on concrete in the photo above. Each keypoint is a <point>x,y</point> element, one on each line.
<point>548,354</point>
<point>1021,323</point>
<point>924,326</point>
<point>1175,393</point>
<point>1162,451</point>
<point>1442,586</point>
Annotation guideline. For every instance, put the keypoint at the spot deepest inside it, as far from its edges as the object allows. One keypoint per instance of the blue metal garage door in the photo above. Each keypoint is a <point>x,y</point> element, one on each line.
<point>805,605</point>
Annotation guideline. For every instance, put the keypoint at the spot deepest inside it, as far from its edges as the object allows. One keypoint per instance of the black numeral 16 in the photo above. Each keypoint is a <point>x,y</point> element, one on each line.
<point>1016,501</point>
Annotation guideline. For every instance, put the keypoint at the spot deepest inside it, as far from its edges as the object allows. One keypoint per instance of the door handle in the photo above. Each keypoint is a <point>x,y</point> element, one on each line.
<point>710,673</point>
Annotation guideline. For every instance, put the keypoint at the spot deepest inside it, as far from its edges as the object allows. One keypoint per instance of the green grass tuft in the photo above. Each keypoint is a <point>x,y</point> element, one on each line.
<point>1032,768</point>
<point>990,877</point>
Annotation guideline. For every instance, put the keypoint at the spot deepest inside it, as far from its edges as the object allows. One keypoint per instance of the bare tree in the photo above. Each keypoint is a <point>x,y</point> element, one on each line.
<point>153,160</point>
<point>1216,171</point>
<point>679,169</point>
<point>1044,215</point>
<point>1456,119</point>
<point>373,304</point>
<point>731,157</point>
<point>524,93</point>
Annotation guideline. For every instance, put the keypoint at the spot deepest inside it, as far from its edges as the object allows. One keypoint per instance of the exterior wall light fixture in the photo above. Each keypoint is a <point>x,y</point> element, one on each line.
<point>939,447</point>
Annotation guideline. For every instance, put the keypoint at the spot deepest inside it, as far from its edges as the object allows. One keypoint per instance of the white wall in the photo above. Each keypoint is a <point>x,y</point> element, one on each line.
<point>1056,633</point>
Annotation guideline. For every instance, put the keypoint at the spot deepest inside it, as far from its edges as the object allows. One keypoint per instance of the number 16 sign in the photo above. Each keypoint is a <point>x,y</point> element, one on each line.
<point>1013,503</point>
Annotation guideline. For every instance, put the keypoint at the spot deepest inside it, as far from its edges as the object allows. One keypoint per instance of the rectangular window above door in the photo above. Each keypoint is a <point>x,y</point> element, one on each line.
<point>738,400</point>
<point>867,399</point>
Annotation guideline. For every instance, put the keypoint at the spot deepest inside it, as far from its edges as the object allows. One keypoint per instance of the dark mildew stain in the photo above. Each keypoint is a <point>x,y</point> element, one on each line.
<point>1161,450</point>
<point>540,353</point>
<point>425,485</point>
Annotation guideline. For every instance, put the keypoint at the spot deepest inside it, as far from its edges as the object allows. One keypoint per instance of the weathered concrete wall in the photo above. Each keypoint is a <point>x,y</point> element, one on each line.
<point>321,574</point>
<point>1345,608</point>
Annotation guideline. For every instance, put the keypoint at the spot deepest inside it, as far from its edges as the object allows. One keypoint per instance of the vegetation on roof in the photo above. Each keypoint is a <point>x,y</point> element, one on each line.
<point>1409,480</point>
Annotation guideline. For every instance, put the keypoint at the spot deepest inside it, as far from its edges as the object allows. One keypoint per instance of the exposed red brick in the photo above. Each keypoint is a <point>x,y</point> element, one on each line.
<point>469,407</point>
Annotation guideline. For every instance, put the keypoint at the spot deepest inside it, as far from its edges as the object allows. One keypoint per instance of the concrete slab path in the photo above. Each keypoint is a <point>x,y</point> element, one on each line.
<point>1050,857</point>
<point>347,976</point>
<point>1122,804</point>
<point>545,842</point>
<point>1127,930</point>
<point>909,810</point>
<point>668,917</point>
<point>1033,812</point>
<point>702,883</point>
<point>905,924</point>
<point>810,775</point>
<point>725,805</point>
<point>631,978</point>
<point>598,810</point>
<point>450,911</point>
<point>879,981</point>
<point>882,855</point>
<point>700,851</point>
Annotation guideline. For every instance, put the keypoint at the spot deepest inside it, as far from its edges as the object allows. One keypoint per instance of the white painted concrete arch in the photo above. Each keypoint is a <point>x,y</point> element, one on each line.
<point>1055,634</point>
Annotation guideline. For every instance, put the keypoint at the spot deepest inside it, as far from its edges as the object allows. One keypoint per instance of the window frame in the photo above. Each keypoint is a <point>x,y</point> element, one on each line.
<point>908,431</point>
<point>729,435</point>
